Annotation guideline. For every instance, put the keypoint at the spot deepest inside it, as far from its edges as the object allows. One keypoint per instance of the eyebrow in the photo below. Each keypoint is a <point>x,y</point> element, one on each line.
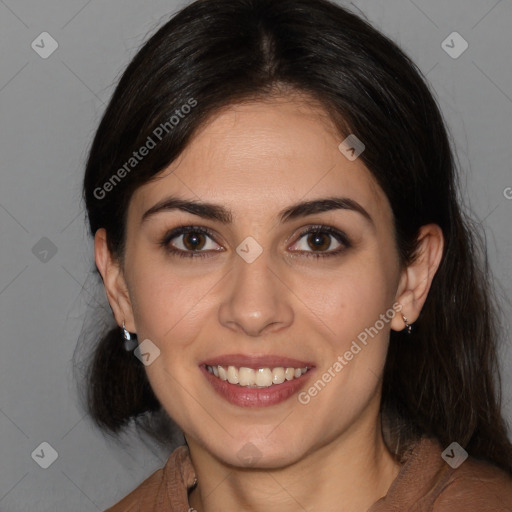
<point>221,214</point>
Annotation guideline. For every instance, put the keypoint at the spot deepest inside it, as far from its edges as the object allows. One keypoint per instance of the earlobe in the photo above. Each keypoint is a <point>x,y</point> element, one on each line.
<point>113,280</point>
<point>417,278</point>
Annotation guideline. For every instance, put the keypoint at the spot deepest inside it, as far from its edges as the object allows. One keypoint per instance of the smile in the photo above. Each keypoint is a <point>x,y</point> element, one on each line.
<point>256,378</point>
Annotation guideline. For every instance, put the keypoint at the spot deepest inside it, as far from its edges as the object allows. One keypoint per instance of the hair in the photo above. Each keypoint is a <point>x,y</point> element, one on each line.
<point>443,379</point>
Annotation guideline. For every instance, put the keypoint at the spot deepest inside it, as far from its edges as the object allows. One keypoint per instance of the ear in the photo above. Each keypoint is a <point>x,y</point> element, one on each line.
<point>416,279</point>
<point>114,282</point>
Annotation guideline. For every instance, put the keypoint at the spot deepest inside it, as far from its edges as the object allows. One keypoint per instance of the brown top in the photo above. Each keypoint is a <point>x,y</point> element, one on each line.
<point>425,483</point>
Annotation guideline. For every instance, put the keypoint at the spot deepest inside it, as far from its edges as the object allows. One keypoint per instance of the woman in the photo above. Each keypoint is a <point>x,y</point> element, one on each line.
<point>272,195</point>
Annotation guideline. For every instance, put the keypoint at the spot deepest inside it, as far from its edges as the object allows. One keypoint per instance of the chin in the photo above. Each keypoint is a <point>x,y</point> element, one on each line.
<point>259,453</point>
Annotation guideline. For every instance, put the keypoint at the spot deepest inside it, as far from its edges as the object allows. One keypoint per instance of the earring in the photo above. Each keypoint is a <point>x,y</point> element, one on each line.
<point>130,339</point>
<point>408,328</point>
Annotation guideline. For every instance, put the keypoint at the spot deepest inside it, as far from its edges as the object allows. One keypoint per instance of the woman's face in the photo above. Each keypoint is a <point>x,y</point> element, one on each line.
<point>268,275</point>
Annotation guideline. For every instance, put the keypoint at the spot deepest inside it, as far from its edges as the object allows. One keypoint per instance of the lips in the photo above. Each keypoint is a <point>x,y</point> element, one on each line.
<point>270,392</point>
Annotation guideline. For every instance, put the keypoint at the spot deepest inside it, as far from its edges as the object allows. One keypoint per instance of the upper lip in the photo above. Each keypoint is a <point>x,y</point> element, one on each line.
<point>253,361</point>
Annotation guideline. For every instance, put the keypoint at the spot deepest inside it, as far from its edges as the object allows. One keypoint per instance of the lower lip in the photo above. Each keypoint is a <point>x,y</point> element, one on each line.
<point>255,397</point>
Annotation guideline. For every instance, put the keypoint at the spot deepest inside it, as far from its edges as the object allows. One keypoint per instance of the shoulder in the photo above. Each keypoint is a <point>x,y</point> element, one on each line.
<point>162,491</point>
<point>475,486</point>
<point>426,482</point>
<point>139,499</point>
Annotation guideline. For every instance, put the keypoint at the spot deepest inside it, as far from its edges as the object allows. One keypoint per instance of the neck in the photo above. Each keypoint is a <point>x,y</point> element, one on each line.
<point>348,474</point>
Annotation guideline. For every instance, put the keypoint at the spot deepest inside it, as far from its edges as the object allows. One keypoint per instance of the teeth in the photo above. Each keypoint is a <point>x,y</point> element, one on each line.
<point>260,378</point>
<point>264,377</point>
<point>289,373</point>
<point>222,372</point>
<point>278,375</point>
<point>246,376</point>
<point>232,375</point>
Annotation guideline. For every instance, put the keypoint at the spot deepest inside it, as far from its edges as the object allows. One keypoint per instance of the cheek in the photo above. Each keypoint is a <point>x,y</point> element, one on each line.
<point>169,310</point>
<point>345,301</point>
<point>166,302</point>
<point>347,309</point>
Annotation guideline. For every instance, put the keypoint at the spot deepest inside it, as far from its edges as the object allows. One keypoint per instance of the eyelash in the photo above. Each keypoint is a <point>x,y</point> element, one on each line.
<point>183,230</point>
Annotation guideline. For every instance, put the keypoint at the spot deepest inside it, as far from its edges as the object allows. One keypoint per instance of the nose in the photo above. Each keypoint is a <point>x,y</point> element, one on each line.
<point>256,300</point>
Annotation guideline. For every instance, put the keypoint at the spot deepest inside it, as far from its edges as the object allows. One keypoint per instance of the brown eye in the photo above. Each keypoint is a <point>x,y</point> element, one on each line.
<point>190,241</point>
<point>194,241</point>
<point>319,241</point>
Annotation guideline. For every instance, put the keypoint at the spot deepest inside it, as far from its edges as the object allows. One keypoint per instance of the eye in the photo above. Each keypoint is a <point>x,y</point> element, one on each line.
<point>194,241</point>
<point>321,241</point>
<point>190,241</point>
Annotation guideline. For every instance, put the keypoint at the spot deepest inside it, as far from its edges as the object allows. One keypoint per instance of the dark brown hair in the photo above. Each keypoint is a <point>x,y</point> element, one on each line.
<point>441,380</point>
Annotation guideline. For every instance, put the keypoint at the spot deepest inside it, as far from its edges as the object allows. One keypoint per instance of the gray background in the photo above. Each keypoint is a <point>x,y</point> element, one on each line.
<point>50,109</point>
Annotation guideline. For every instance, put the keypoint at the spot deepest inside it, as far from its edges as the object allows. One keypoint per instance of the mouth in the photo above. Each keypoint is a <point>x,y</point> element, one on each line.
<point>256,378</point>
<point>256,381</point>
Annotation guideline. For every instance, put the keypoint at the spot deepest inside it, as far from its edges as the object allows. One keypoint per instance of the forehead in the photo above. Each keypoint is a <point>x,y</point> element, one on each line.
<point>259,156</point>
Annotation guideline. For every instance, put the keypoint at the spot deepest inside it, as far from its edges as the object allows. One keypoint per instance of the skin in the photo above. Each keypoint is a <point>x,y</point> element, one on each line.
<point>256,159</point>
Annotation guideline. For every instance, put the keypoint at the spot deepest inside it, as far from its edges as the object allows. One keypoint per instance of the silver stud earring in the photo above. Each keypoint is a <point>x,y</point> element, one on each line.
<point>408,327</point>
<point>129,339</point>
